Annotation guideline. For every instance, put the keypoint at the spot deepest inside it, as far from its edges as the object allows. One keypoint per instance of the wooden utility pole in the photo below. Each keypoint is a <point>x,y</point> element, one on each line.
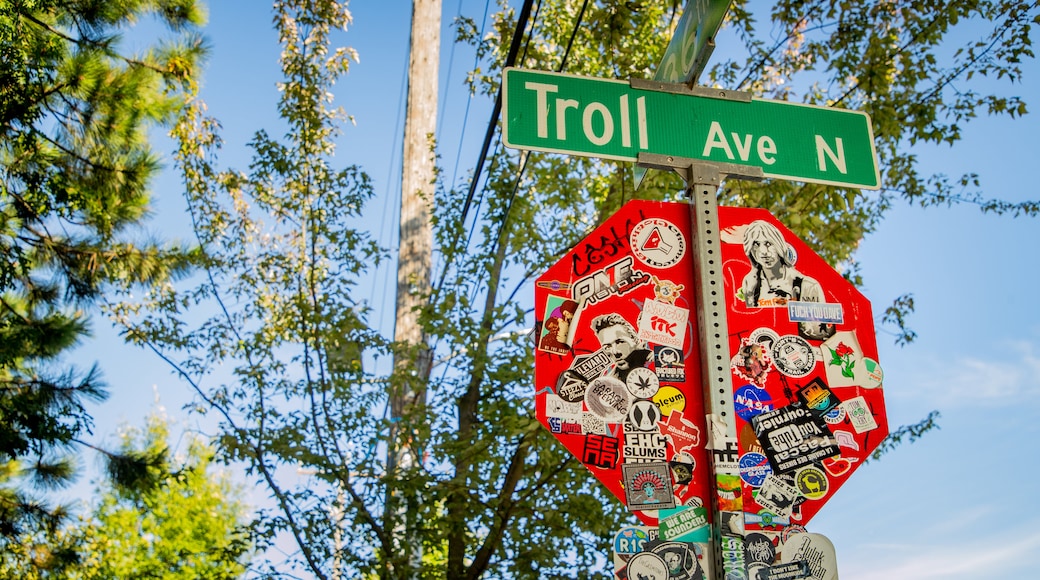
<point>412,365</point>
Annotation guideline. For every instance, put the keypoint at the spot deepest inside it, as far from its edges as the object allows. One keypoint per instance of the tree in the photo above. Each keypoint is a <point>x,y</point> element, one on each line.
<point>175,518</point>
<point>286,247</point>
<point>75,166</point>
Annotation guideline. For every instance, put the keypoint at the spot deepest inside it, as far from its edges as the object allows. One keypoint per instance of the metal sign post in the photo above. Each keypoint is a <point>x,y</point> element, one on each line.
<point>702,185</point>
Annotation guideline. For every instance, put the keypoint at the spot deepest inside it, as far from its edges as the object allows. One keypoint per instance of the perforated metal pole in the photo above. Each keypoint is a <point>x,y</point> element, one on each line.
<point>702,187</point>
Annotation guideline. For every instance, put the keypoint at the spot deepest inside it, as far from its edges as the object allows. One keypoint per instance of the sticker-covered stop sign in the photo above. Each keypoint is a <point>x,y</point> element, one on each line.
<point>618,379</point>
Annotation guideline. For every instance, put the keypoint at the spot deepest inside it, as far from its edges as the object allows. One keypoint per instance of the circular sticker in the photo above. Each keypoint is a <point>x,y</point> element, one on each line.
<point>670,399</point>
<point>754,469</point>
<point>642,382</point>
<point>644,415</point>
<point>571,386</point>
<point>791,530</point>
<point>681,559</point>
<point>793,356</point>
<point>647,565</point>
<point>835,415</point>
<point>630,541</point>
<point>767,337</point>
<point>759,548</point>
<point>811,482</point>
<point>657,243</point>
<point>750,400</point>
<point>875,375</point>
<point>607,398</point>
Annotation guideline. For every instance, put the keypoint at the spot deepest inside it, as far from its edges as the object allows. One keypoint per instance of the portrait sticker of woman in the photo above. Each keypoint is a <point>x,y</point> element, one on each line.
<point>773,280</point>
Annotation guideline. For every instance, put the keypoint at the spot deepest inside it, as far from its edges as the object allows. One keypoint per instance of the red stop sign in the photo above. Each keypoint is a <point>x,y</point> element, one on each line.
<point>618,376</point>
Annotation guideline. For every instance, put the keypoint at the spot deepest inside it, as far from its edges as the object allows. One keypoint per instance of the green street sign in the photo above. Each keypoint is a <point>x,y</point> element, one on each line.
<point>684,57</point>
<point>610,119</point>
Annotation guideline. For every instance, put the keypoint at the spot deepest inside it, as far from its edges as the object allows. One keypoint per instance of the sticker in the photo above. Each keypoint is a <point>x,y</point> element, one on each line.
<point>645,448</point>
<point>747,439</point>
<point>792,437</point>
<point>607,398</point>
<point>777,496</point>
<point>754,469</point>
<point>875,376</point>
<point>815,312</point>
<point>789,531</point>
<point>758,548</point>
<point>631,540</point>
<point>765,336</point>
<point>554,285</point>
<point>788,571</point>
<point>835,416</point>
<point>733,558</point>
<point>838,466</point>
<point>621,344</point>
<point>811,482</point>
<point>669,399</point>
<point>846,439</point>
<point>648,486</point>
<point>561,427</point>
<point>600,451</point>
<point>669,364</point>
<point>681,559</point>
<point>665,290</point>
<point>818,398</point>
<point>818,331</point>
<point>571,386</point>
<point>726,458</point>
<point>793,356</point>
<point>662,323</point>
<point>843,358</point>
<point>681,432</point>
<point>860,415</point>
<point>643,416</point>
<point>814,549</point>
<point>646,565</point>
<point>727,490</point>
<point>758,571</point>
<point>559,313</point>
<point>773,280</point>
<point>642,383</point>
<point>682,466</point>
<point>750,400</point>
<point>684,522</point>
<point>765,519</point>
<point>752,362</point>
<point>657,242</point>
<point>557,407</point>
<point>593,424</point>
<point>616,279</point>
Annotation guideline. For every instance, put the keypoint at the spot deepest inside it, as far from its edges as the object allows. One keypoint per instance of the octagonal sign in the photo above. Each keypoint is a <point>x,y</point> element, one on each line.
<point>617,370</point>
<point>616,361</point>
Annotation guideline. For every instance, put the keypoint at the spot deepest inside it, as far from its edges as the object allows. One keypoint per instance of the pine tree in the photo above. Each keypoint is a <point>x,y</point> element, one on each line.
<point>75,167</point>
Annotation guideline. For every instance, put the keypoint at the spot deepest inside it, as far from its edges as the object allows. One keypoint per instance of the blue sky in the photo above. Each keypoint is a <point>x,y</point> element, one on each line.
<point>957,504</point>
